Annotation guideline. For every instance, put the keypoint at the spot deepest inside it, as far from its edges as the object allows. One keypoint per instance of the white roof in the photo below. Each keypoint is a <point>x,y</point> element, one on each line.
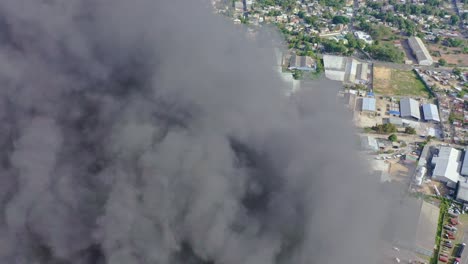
<point>345,69</point>
<point>334,62</point>
<point>431,113</point>
<point>462,192</point>
<point>368,104</point>
<point>464,169</point>
<point>446,165</point>
<point>369,143</point>
<point>409,108</point>
<point>364,71</point>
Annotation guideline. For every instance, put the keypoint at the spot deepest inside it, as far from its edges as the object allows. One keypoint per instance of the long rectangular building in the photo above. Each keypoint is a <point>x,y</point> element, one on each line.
<point>464,169</point>
<point>431,113</point>
<point>409,108</point>
<point>420,51</point>
<point>345,69</point>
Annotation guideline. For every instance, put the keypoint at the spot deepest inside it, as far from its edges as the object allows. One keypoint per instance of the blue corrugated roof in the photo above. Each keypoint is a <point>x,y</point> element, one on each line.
<point>393,112</point>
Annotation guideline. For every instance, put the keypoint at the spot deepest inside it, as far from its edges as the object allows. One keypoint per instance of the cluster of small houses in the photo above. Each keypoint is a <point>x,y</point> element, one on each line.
<point>449,103</point>
<point>433,24</point>
<point>291,19</point>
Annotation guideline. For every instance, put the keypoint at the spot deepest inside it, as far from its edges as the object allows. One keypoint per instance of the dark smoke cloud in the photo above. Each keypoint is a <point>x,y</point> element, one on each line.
<point>155,132</point>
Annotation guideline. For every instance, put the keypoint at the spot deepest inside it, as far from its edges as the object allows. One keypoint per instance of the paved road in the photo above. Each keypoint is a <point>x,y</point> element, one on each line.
<point>464,259</point>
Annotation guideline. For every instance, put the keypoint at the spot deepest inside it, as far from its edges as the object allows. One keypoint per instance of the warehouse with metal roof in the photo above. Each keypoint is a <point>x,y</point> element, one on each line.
<point>409,108</point>
<point>368,104</point>
<point>464,169</point>
<point>462,190</point>
<point>447,164</point>
<point>345,69</point>
<point>420,51</point>
<point>431,113</point>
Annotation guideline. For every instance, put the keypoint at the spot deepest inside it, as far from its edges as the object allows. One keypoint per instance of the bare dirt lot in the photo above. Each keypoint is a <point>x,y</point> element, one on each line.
<point>363,119</point>
<point>451,55</point>
<point>428,188</point>
<point>401,172</point>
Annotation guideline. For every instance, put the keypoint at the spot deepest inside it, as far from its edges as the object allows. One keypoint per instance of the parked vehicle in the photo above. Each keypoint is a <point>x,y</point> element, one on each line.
<point>460,249</point>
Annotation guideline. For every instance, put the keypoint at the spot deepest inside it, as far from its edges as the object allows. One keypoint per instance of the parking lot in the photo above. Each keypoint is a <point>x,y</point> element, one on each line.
<point>452,236</point>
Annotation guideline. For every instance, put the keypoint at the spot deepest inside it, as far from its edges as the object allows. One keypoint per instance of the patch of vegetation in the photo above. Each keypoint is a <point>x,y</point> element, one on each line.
<point>455,117</point>
<point>297,74</point>
<point>410,130</point>
<point>385,128</point>
<point>443,208</point>
<point>385,52</point>
<point>340,20</point>
<point>393,138</point>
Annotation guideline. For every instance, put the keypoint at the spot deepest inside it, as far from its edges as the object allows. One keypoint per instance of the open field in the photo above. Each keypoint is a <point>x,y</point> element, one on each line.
<point>398,82</point>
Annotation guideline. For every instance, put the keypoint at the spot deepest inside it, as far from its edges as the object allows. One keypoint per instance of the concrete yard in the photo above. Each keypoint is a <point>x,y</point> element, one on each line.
<point>427,225</point>
<point>402,172</point>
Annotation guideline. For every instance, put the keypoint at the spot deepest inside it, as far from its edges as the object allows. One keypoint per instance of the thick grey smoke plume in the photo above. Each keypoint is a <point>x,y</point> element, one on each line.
<point>155,132</point>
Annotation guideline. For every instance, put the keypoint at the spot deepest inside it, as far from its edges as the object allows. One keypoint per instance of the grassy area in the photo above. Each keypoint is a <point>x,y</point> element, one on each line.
<point>398,82</point>
<point>444,205</point>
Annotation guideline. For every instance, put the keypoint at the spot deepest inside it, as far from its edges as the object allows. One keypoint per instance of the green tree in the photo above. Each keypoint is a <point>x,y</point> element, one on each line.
<point>454,19</point>
<point>311,20</point>
<point>301,14</point>
<point>453,42</point>
<point>442,62</point>
<point>340,20</point>
<point>385,52</point>
<point>352,41</point>
<point>410,130</point>
<point>392,138</point>
<point>297,74</point>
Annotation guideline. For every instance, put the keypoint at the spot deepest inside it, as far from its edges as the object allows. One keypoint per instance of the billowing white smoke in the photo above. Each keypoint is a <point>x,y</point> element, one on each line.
<point>151,131</point>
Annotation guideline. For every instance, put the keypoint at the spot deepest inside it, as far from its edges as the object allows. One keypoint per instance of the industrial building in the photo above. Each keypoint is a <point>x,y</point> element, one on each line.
<point>303,63</point>
<point>447,164</point>
<point>464,168</point>
<point>368,104</point>
<point>345,69</point>
<point>369,143</point>
<point>393,120</point>
<point>420,51</point>
<point>409,108</point>
<point>431,113</point>
<point>462,190</point>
